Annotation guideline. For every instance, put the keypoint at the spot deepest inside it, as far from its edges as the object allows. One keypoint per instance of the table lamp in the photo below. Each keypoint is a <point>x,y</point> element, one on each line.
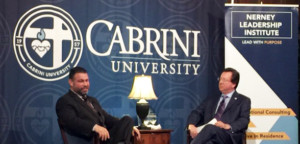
<point>142,89</point>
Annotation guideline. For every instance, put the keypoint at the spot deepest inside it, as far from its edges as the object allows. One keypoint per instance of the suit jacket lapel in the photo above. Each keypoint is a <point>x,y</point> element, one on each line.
<point>214,107</point>
<point>98,110</point>
<point>232,101</point>
<point>82,103</point>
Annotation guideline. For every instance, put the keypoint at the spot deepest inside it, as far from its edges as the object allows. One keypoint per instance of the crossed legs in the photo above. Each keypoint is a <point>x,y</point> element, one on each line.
<point>122,131</point>
<point>211,134</point>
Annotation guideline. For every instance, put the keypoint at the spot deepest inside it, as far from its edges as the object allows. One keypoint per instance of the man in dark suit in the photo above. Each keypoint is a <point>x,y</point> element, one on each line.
<point>82,115</point>
<point>231,111</point>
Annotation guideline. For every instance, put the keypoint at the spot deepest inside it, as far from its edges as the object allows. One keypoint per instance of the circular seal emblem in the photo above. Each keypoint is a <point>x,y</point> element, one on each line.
<point>34,119</point>
<point>115,102</point>
<point>173,107</point>
<point>47,42</point>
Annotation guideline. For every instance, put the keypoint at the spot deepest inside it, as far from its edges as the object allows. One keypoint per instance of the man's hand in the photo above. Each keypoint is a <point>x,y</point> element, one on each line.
<point>102,132</point>
<point>137,132</point>
<point>220,124</point>
<point>193,130</point>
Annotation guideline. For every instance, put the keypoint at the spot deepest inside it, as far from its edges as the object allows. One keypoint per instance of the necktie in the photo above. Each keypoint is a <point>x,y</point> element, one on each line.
<point>221,108</point>
<point>88,102</point>
<point>84,97</point>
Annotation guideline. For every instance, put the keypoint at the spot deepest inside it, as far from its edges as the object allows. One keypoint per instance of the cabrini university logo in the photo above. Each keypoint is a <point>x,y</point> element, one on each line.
<point>47,42</point>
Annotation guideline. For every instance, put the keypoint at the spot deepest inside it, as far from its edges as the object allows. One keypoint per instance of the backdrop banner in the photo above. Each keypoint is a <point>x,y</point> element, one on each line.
<point>179,43</point>
<point>262,44</point>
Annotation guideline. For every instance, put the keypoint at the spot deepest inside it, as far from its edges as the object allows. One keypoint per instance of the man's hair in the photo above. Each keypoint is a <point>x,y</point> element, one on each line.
<point>235,76</point>
<point>75,70</point>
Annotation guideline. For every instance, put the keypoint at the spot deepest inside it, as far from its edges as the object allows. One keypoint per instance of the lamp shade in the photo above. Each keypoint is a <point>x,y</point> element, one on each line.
<point>142,88</point>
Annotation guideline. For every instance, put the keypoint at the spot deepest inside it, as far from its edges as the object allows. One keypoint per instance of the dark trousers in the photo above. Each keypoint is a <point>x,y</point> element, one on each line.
<point>211,134</point>
<point>121,131</point>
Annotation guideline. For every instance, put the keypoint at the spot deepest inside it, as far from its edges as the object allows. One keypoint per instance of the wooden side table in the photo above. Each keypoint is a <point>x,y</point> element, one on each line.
<point>161,136</point>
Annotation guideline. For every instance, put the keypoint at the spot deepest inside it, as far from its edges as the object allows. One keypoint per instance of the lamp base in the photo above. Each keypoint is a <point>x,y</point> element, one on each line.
<point>143,127</point>
<point>142,109</point>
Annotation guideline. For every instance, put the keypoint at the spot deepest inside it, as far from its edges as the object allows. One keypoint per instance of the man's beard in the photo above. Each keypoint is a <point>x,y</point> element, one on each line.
<point>81,92</point>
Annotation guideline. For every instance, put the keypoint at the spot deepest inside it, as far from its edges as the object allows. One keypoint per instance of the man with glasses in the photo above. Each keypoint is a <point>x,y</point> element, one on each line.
<point>230,112</point>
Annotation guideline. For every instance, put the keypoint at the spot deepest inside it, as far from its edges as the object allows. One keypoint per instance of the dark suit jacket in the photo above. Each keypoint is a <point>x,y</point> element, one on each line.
<point>78,118</point>
<point>236,114</point>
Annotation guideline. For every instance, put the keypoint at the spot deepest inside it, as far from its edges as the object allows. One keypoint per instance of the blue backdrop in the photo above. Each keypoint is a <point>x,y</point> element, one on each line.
<point>179,43</point>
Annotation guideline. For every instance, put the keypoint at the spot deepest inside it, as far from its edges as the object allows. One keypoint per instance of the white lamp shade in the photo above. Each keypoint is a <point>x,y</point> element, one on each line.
<point>142,88</point>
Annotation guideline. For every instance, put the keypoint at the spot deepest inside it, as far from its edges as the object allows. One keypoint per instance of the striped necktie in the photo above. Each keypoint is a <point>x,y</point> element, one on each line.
<point>221,108</point>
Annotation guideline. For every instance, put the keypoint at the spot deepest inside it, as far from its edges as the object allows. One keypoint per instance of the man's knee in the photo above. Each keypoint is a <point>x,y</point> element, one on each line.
<point>212,129</point>
<point>206,135</point>
<point>127,121</point>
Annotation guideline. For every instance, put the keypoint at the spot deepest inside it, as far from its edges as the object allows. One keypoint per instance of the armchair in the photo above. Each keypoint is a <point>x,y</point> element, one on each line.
<point>70,139</point>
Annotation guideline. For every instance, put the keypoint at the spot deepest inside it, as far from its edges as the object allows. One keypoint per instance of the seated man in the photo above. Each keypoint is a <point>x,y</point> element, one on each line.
<point>82,115</point>
<point>231,111</point>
